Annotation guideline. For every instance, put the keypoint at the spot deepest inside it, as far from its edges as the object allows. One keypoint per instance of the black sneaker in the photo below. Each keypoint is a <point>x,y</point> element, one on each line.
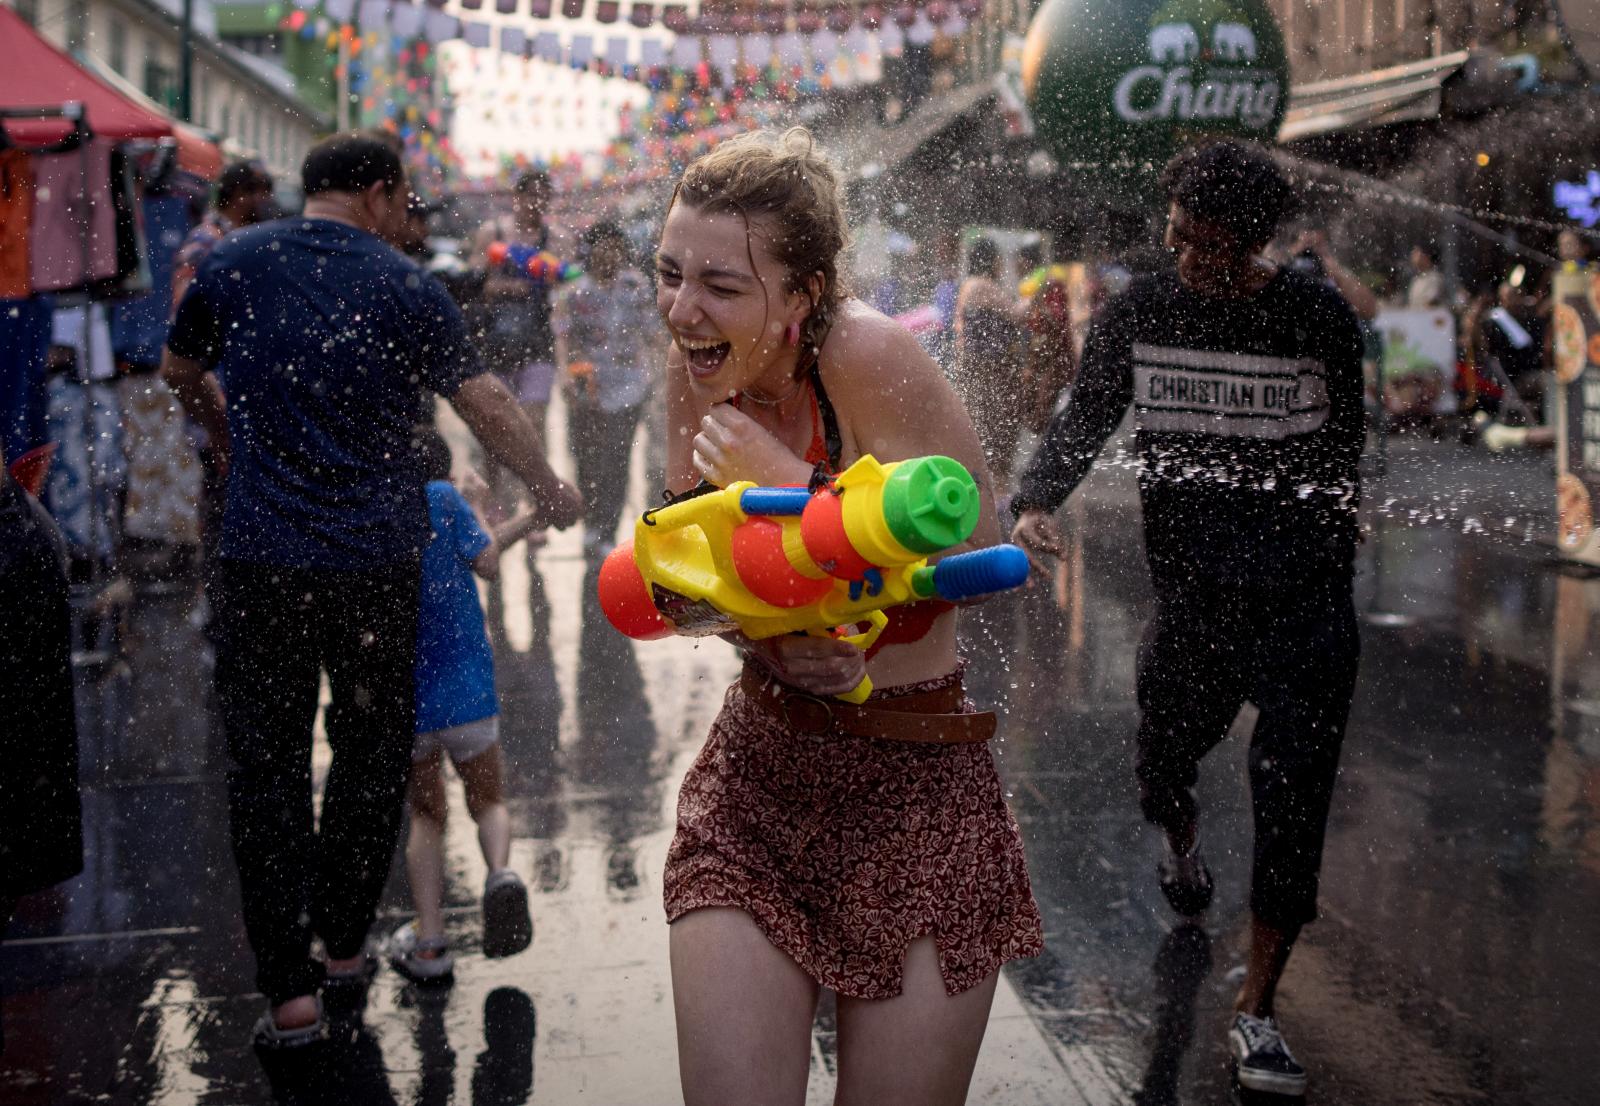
<point>268,1037</point>
<point>1264,1061</point>
<point>1186,881</point>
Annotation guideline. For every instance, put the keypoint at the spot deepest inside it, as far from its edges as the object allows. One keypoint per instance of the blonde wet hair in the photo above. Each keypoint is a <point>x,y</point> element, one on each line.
<point>787,185</point>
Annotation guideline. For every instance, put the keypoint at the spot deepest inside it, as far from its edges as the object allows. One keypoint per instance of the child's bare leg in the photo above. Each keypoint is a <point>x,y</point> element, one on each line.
<point>425,845</point>
<point>481,778</point>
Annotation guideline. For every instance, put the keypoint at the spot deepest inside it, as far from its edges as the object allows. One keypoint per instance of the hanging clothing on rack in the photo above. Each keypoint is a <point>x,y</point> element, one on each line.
<point>74,219</point>
<point>90,470</point>
<point>133,254</point>
<point>24,352</point>
<point>164,475</point>
<point>16,224</point>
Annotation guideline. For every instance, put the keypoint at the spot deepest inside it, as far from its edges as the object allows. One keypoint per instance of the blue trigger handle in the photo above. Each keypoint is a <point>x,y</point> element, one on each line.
<point>981,572</point>
<point>774,501</point>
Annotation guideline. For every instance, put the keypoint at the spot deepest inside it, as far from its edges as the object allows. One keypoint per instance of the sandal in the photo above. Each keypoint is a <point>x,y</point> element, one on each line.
<point>405,957</point>
<point>271,1037</point>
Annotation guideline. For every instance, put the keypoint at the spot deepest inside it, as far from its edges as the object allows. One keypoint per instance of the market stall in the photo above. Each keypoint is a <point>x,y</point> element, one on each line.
<point>83,296</point>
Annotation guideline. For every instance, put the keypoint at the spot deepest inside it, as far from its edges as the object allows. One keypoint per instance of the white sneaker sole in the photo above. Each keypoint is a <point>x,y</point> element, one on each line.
<point>433,974</point>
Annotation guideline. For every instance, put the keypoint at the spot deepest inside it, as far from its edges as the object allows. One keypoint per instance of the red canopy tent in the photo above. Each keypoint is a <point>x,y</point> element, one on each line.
<point>37,75</point>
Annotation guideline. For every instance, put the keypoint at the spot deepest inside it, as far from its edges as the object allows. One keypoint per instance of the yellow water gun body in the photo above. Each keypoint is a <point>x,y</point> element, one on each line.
<point>773,560</point>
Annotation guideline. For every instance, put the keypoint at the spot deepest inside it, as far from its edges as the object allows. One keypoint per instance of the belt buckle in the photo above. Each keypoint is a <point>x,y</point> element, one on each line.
<point>812,702</point>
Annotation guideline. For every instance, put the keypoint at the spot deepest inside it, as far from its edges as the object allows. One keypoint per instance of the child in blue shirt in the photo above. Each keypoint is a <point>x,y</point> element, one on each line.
<point>458,714</point>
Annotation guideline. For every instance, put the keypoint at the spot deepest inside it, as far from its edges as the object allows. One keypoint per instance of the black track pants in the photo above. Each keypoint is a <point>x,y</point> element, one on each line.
<point>278,629</point>
<point>1294,656</point>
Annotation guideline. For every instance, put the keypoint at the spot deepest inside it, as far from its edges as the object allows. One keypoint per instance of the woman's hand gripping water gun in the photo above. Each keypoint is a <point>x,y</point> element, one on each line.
<point>770,561</point>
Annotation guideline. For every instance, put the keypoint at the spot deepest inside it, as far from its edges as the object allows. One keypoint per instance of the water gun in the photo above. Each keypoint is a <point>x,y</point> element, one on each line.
<point>539,266</point>
<point>778,560</point>
<point>1029,285</point>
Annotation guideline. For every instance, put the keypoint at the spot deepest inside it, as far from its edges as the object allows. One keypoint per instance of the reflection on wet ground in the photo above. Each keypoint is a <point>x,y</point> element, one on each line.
<point>1454,963</point>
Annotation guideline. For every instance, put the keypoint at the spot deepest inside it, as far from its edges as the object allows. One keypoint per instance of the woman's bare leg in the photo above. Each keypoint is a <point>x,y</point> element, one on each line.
<point>917,1049</point>
<point>744,1013</point>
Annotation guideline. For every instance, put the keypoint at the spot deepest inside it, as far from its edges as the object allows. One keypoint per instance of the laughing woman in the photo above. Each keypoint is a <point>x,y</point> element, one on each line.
<point>845,854</point>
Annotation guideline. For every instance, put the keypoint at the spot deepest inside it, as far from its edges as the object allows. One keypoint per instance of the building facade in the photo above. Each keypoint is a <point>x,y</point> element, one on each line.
<point>250,104</point>
<point>257,28</point>
<point>1329,39</point>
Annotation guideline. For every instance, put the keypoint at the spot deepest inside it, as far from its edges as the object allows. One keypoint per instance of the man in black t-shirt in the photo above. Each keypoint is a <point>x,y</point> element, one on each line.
<point>1245,380</point>
<point>307,347</point>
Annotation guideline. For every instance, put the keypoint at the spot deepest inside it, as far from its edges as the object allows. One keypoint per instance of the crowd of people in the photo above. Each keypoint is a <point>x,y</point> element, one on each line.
<point>343,536</point>
<point>1008,329</point>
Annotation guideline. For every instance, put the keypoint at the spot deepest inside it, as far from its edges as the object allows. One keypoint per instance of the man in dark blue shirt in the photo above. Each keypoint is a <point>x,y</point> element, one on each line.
<point>305,347</point>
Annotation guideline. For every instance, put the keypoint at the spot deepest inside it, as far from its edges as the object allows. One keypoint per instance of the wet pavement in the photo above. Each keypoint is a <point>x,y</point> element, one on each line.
<point>1456,961</point>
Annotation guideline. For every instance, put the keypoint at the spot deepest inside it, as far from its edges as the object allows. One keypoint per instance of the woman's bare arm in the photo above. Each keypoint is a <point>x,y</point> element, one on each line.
<point>898,405</point>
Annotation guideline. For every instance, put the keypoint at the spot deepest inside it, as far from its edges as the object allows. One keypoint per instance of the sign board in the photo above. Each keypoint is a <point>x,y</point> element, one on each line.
<point>1120,85</point>
<point>1576,346</point>
<point>1419,360</point>
<point>1579,199</point>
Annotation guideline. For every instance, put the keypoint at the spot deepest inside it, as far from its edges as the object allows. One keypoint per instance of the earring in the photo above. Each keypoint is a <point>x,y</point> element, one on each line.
<point>791,335</point>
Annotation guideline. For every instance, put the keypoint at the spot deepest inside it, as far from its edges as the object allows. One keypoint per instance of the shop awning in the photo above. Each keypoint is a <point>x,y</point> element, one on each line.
<point>865,152</point>
<point>197,153</point>
<point>38,75</point>
<point>1401,94</point>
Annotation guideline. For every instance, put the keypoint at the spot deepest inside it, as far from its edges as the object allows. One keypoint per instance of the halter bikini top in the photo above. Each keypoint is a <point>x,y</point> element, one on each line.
<point>907,623</point>
<point>827,445</point>
<point>911,621</point>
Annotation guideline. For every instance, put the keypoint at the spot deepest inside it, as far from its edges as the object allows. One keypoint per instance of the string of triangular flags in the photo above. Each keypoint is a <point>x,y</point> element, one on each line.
<point>809,38</point>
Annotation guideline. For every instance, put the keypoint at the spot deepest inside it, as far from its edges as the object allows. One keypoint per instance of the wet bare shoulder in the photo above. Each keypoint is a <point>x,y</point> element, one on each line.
<point>871,357</point>
<point>893,396</point>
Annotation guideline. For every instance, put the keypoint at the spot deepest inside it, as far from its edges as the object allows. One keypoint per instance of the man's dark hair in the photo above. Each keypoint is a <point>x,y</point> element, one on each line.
<point>241,178</point>
<point>1428,250</point>
<point>350,162</point>
<point>1233,184</point>
<point>531,180</point>
<point>389,138</point>
<point>433,452</point>
<point>606,230</point>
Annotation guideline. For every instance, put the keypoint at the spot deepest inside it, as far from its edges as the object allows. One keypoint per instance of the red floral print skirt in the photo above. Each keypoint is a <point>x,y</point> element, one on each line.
<point>846,849</point>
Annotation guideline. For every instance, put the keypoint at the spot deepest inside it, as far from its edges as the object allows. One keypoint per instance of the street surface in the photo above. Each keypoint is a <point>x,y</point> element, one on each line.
<point>1456,961</point>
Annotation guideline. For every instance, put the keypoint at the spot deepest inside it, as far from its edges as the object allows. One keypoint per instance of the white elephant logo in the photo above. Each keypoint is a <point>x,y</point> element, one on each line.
<point>1233,42</point>
<point>1175,42</point>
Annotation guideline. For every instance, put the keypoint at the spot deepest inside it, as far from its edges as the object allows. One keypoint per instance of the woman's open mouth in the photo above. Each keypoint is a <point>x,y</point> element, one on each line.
<point>705,356</point>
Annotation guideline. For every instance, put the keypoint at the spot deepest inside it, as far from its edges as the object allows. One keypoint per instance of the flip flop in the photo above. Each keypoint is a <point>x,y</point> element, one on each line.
<point>428,971</point>
<point>270,1037</point>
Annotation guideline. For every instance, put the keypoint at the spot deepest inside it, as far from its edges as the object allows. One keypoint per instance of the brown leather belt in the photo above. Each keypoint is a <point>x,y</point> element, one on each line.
<point>929,717</point>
